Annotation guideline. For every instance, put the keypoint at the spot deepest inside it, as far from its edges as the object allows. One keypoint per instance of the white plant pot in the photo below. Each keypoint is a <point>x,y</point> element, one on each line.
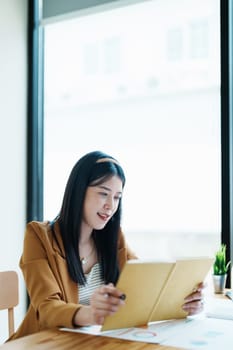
<point>219,283</point>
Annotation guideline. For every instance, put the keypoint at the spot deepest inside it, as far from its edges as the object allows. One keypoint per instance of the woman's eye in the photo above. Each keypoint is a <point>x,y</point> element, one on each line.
<point>117,198</point>
<point>103,194</point>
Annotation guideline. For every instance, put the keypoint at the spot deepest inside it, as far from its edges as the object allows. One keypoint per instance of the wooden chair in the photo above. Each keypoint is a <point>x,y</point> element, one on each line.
<point>9,295</point>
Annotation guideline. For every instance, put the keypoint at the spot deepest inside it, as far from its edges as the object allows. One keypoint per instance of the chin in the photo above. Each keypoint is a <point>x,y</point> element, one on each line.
<point>100,227</point>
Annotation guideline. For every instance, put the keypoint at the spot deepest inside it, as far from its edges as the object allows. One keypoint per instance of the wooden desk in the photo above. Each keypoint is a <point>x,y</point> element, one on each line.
<point>62,340</point>
<point>55,339</point>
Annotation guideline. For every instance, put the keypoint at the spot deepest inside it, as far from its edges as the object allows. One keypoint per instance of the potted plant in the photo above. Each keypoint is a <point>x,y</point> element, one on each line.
<point>220,268</point>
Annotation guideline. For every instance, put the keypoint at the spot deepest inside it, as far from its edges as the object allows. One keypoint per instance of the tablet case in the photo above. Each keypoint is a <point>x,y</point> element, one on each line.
<point>156,290</point>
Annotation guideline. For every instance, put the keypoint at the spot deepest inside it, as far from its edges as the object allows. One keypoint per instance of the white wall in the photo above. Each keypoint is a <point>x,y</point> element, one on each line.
<point>13,112</point>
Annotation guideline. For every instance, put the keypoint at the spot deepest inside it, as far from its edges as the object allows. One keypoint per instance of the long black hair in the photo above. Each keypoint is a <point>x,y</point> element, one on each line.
<point>89,171</point>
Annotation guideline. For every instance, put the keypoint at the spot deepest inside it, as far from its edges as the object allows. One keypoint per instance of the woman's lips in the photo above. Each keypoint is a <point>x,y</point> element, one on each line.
<point>104,217</point>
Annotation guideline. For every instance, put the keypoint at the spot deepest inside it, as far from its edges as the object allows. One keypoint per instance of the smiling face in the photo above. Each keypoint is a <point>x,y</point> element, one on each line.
<point>101,203</point>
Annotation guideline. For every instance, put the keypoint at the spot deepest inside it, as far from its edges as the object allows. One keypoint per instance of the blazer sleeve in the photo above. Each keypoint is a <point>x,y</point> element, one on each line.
<point>43,285</point>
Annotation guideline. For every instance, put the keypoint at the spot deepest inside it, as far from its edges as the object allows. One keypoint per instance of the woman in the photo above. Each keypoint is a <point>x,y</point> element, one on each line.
<point>71,265</point>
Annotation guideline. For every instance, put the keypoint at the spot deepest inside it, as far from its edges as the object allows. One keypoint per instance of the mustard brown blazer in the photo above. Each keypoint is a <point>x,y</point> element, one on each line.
<point>53,295</point>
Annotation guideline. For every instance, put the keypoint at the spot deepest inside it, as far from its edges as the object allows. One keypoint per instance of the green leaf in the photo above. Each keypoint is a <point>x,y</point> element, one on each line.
<point>220,267</point>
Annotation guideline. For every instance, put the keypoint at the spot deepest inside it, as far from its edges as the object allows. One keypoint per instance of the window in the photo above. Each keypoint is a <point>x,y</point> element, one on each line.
<point>141,82</point>
<point>175,44</point>
<point>199,39</point>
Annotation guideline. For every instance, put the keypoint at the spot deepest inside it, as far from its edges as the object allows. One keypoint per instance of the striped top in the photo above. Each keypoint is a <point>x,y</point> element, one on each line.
<point>93,281</point>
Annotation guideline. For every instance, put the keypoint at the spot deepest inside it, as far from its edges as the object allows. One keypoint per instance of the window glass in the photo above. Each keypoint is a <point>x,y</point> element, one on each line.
<point>142,83</point>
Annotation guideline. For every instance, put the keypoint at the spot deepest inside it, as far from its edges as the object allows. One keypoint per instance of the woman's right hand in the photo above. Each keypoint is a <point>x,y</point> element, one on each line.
<point>105,301</point>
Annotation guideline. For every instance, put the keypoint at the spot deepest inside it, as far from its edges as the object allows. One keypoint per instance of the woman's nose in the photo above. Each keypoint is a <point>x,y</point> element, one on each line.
<point>108,205</point>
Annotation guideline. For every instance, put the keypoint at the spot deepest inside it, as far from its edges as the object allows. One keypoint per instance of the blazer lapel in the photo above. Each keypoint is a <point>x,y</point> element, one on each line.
<point>70,288</point>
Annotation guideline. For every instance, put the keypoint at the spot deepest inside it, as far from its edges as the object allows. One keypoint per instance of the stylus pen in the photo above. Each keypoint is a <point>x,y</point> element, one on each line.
<point>122,296</point>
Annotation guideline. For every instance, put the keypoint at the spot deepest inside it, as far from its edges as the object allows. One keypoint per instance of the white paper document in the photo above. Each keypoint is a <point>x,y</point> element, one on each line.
<point>211,330</point>
<point>205,334</point>
<point>143,334</point>
<point>219,308</point>
<point>190,333</point>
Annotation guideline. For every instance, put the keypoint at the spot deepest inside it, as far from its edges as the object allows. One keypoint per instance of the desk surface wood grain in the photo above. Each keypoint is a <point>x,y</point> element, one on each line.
<point>62,340</point>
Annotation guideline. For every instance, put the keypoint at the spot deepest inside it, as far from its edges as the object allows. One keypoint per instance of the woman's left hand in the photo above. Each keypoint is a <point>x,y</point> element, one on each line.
<point>194,301</point>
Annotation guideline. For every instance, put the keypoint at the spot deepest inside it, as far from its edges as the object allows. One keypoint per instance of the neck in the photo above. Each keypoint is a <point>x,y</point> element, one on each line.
<point>85,237</point>
<point>85,240</point>
<point>87,251</point>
